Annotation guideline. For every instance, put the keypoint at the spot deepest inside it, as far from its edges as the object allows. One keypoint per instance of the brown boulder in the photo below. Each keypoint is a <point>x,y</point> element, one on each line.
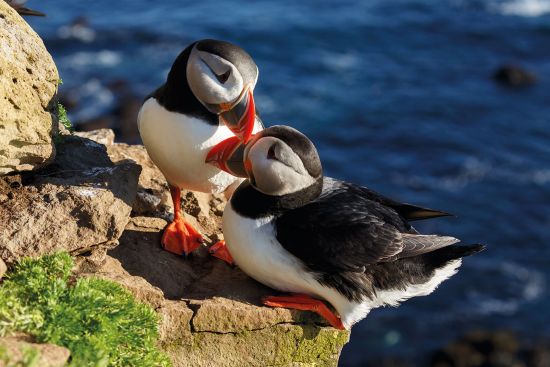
<point>28,83</point>
<point>79,202</point>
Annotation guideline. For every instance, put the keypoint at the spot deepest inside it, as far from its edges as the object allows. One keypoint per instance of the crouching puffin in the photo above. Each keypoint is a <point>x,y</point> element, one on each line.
<point>206,104</point>
<point>293,230</point>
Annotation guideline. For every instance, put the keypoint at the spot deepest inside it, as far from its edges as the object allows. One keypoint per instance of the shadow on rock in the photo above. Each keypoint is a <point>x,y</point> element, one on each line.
<point>82,200</point>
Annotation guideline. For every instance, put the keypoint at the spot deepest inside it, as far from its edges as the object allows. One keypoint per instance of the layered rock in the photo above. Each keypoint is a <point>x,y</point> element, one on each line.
<point>79,202</point>
<point>28,83</point>
<point>93,197</point>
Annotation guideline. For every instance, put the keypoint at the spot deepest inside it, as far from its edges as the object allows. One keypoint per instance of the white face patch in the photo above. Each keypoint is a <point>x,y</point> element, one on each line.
<point>201,69</point>
<point>277,169</point>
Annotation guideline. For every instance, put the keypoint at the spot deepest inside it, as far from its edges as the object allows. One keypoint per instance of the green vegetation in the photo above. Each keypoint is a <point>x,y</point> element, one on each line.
<point>97,320</point>
<point>63,119</point>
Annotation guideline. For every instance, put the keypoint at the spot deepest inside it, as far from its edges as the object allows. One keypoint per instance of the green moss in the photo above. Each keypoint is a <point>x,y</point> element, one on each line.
<point>63,118</point>
<point>319,344</point>
<point>278,345</point>
<point>97,320</point>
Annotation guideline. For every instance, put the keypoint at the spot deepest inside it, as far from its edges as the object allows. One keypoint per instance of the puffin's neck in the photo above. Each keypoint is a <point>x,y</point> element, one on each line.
<point>176,96</point>
<point>251,203</point>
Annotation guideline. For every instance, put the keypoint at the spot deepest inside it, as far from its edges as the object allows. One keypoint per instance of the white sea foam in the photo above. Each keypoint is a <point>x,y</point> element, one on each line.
<point>475,170</point>
<point>523,8</point>
<point>524,285</point>
<point>340,62</point>
<point>106,58</point>
<point>77,31</point>
<point>96,99</point>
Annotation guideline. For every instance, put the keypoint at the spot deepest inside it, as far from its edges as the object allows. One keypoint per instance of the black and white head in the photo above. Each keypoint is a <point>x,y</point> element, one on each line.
<point>278,161</point>
<point>222,77</point>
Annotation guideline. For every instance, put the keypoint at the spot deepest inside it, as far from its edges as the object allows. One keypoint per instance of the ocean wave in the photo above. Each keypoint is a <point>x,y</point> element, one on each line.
<point>77,31</point>
<point>95,99</point>
<point>105,58</point>
<point>474,170</point>
<point>523,286</point>
<point>523,8</point>
<point>340,62</point>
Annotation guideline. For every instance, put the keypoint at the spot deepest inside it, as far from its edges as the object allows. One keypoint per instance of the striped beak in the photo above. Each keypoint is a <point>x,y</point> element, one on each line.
<point>240,119</point>
<point>228,156</point>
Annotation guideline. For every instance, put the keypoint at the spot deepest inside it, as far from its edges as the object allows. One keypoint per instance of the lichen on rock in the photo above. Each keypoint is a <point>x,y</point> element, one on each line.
<point>28,83</point>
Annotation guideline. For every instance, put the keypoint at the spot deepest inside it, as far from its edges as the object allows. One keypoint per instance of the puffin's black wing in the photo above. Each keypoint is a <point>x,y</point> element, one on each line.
<point>344,230</point>
<point>407,211</point>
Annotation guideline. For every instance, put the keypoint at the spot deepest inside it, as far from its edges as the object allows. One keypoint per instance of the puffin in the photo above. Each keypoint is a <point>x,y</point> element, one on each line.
<point>324,240</point>
<point>206,106</point>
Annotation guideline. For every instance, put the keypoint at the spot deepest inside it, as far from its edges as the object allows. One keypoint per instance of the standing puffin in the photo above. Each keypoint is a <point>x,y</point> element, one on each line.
<point>206,105</point>
<point>293,230</point>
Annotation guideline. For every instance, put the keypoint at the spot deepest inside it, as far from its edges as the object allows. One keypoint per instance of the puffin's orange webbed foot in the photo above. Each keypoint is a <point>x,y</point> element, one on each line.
<point>220,251</point>
<point>180,237</point>
<point>305,303</point>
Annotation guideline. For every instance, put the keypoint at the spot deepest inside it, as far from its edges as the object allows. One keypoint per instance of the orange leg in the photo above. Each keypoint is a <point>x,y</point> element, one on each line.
<point>180,237</point>
<point>220,251</point>
<point>305,303</point>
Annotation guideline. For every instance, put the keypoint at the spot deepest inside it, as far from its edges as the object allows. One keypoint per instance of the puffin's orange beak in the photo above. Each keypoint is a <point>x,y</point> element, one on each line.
<point>228,156</point>
<point>245,124</point>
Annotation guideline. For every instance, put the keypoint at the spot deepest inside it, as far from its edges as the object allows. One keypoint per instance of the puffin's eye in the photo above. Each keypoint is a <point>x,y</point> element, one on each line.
<point>223,77</point>
<point>271,152</point>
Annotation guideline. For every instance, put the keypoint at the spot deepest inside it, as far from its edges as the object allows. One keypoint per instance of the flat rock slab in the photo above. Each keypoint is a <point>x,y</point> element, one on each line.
<point>28,83</point>
<point>79,202</point>
<point>13,351</point>
<point>212,312</point>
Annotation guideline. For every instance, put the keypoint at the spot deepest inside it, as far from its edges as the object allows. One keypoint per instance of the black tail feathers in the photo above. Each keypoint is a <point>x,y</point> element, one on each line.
<point>443,255</point>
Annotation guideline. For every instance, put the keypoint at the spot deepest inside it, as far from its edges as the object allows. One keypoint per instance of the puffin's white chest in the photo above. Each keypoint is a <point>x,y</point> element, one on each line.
<point>178,145</point>
<point>255,249</point>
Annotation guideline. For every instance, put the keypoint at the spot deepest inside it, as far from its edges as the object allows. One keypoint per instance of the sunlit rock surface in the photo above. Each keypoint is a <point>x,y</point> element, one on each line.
<point>28,83</point>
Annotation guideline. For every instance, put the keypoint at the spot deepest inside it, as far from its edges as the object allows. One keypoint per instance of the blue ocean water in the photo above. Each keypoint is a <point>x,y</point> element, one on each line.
<point>398,96</point>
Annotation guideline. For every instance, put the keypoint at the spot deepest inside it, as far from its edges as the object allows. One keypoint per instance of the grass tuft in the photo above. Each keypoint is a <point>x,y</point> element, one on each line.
<point>63,118</point>
<point>97,320</point>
